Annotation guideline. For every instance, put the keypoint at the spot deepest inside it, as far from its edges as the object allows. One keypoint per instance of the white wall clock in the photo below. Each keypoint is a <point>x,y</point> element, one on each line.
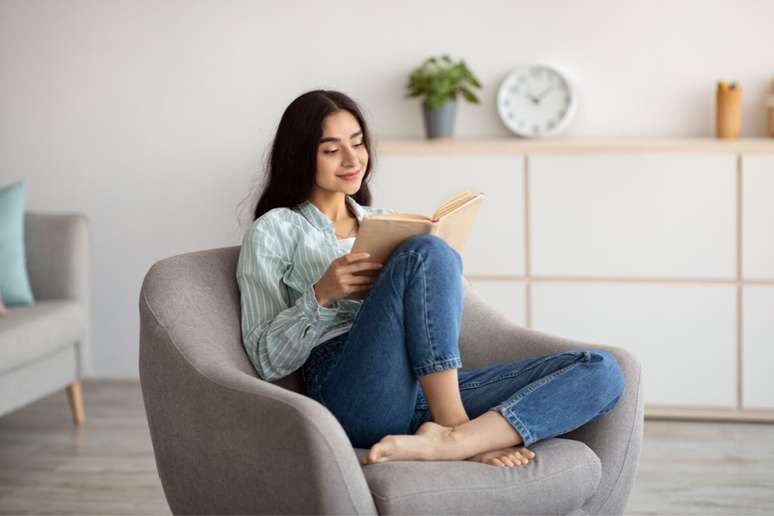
<point>536,100</point>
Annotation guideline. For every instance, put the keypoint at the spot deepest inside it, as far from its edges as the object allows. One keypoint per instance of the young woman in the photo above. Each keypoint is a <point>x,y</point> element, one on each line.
<point>377,344</point>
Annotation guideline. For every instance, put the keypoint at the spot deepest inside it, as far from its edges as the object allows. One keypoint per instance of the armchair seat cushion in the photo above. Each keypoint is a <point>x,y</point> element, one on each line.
<point>564,474</point>
<point>29,332</point>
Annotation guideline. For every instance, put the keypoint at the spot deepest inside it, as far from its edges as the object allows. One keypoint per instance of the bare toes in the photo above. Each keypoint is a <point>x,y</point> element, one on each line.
<point>520,457</point>
<point>515,458</point>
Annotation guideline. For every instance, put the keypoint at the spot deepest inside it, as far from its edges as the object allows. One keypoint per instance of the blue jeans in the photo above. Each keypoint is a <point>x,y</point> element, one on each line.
<point>408,326</point>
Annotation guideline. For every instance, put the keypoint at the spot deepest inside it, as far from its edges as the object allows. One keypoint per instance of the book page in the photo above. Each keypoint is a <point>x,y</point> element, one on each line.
<point>455,226</point>
<point>451,202</point>
<point>452,205</point>
<point>400,216</point>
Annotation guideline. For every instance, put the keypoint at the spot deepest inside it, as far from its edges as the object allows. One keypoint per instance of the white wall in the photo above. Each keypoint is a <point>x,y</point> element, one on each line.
<point>153,117</point>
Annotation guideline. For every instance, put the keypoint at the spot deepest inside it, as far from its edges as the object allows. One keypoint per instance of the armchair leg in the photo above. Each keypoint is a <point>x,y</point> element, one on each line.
<point>76,402</point>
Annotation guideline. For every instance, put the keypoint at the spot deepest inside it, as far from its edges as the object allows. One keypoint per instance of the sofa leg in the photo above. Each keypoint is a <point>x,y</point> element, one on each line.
<point>76,402</point>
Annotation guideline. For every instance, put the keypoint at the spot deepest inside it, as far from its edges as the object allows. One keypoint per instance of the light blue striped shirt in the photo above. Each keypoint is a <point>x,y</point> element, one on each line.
<point>284,253</point>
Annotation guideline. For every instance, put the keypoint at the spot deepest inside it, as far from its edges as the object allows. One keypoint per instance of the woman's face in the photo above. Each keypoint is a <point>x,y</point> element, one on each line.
<point>341,151</point>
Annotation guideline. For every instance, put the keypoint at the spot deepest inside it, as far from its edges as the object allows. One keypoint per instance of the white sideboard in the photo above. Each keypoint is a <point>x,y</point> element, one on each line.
<point>660,246</point>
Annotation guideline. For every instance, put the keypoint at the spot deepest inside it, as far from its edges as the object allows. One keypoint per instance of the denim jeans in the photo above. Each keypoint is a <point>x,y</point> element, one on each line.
<point>408,326</point>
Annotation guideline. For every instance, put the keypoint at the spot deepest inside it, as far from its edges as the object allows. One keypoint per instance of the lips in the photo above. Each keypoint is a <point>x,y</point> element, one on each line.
<point>353,175</point>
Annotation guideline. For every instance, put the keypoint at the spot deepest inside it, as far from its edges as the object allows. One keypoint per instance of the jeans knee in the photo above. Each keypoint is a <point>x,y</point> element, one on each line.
<point>610,373</point>
<point>431,244</point>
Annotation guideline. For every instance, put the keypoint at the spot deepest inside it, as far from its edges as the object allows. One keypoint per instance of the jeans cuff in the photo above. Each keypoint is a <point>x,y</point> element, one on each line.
<point>439,365</point>
<point>518,424</point>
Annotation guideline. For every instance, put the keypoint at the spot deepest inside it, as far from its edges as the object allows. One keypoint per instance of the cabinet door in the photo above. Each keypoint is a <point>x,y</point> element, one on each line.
<point>508,297</point>
<point>641,215</point>
<point>418,184</point>
<point>683,335</point>
<point>758,348</point>
<point>758,217</point>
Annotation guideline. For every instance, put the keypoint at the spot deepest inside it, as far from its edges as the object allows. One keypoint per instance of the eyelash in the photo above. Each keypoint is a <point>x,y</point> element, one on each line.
<point>332,151</point>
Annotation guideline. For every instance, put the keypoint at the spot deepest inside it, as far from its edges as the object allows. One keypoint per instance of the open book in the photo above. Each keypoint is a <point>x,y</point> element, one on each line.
<point>380,235</point>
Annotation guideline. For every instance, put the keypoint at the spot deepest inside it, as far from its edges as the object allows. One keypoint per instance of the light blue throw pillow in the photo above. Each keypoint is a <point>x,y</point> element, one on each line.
<point>14,280</point>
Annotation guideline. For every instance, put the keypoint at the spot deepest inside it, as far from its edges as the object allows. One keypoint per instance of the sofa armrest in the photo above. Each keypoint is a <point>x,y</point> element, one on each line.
<point>227,442</point>
<point>58,258</point>
<point>58,255</point>
<point>489,337</point>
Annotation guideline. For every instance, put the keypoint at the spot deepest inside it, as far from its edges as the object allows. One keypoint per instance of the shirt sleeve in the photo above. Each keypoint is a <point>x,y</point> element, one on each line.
<point>277,337</point>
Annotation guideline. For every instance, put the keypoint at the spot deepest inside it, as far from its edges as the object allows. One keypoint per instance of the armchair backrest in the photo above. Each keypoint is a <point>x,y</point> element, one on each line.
<point>195,298</point>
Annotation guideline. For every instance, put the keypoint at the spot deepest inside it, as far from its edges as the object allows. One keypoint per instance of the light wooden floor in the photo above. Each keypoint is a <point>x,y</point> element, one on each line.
<point>49,467</point>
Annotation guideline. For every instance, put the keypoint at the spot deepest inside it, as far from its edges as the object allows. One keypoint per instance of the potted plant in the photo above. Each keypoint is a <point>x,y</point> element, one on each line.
<point>440,81</point>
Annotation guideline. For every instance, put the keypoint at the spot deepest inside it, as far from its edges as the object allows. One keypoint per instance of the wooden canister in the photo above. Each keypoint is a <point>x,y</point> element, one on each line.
<point>728,112</point>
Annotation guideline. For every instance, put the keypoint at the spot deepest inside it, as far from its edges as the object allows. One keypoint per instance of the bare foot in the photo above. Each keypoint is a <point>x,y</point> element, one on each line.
<point>431,442</point>
<point>507,457</point>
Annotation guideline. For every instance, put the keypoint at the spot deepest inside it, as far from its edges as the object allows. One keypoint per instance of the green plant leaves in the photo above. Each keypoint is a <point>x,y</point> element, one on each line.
<point>441,80</point>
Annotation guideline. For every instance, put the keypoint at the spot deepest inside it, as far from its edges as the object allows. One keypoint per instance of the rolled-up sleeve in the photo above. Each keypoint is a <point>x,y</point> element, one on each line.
<point>278,337</point>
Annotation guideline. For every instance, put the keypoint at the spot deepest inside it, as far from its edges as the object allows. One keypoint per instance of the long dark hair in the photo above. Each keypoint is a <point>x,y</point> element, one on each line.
<point>292,163</point>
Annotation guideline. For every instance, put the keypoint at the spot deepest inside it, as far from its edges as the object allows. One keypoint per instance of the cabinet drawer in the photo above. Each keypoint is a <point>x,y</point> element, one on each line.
<point>643,215</point>
<point>758,216</point>
<point>684,335</point>
<point>758,332</point>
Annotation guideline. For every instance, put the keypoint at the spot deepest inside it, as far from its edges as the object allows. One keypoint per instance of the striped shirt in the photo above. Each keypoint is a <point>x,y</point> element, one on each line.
<point>283,254</point>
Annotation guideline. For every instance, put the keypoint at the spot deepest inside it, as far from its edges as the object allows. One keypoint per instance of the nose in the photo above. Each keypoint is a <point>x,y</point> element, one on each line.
<point>350,156</point>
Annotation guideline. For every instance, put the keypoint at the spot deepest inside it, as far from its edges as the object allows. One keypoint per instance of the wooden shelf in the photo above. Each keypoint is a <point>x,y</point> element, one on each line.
<point>708,414</point>
<point>585,145</point>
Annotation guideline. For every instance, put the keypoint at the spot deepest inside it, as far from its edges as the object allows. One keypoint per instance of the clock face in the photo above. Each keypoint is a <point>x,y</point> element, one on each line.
<point>536,100</point>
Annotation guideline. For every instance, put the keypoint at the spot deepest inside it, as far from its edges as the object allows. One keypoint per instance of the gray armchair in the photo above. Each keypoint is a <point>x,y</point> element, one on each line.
<point>227,442</point>
<point>46,346</point>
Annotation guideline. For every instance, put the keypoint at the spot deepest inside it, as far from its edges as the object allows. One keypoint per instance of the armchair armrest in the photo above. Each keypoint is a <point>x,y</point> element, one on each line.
<point>227,442</point>
<point>487,336</point>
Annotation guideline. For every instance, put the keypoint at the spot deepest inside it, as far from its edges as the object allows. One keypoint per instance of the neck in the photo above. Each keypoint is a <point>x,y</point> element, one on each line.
<point>332,204</point>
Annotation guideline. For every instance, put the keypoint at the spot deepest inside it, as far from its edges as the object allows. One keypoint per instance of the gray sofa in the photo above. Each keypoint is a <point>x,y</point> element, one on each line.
<point>227,442</point>
<point>46,346</point>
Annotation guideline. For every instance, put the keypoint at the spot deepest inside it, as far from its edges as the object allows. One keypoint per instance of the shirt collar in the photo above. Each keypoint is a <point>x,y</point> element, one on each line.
<point>319,220</point>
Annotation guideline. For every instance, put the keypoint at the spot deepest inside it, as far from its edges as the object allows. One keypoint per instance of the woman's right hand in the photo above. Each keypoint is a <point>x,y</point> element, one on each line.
<point>340,280</point>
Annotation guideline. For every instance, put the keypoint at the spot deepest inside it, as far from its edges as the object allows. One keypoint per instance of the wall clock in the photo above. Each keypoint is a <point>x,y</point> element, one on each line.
<point>536,100</point>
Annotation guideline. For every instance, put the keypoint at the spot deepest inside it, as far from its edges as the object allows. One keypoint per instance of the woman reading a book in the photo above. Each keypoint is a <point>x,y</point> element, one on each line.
<point>377,343</point>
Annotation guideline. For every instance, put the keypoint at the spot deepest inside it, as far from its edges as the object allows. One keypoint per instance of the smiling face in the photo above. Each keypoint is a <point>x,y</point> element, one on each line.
<point>341,151</point>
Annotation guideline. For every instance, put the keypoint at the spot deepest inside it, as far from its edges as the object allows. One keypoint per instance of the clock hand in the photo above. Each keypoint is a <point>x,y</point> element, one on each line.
<point>544,93</point>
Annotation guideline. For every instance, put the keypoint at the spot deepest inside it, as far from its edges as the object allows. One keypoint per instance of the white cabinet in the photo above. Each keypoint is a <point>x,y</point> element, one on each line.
<point>758,216</point>
<point>684,335</point>
<point>758,331</point>
<point>661,247</point>
<point>662,216</point>
<point>418,184</point>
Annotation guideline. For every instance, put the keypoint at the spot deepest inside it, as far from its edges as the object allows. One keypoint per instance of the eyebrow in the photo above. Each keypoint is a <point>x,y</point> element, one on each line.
<point>332,139</point>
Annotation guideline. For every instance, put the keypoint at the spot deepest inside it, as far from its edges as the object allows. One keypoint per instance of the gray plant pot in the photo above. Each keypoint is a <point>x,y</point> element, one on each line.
<point>439,122</point>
